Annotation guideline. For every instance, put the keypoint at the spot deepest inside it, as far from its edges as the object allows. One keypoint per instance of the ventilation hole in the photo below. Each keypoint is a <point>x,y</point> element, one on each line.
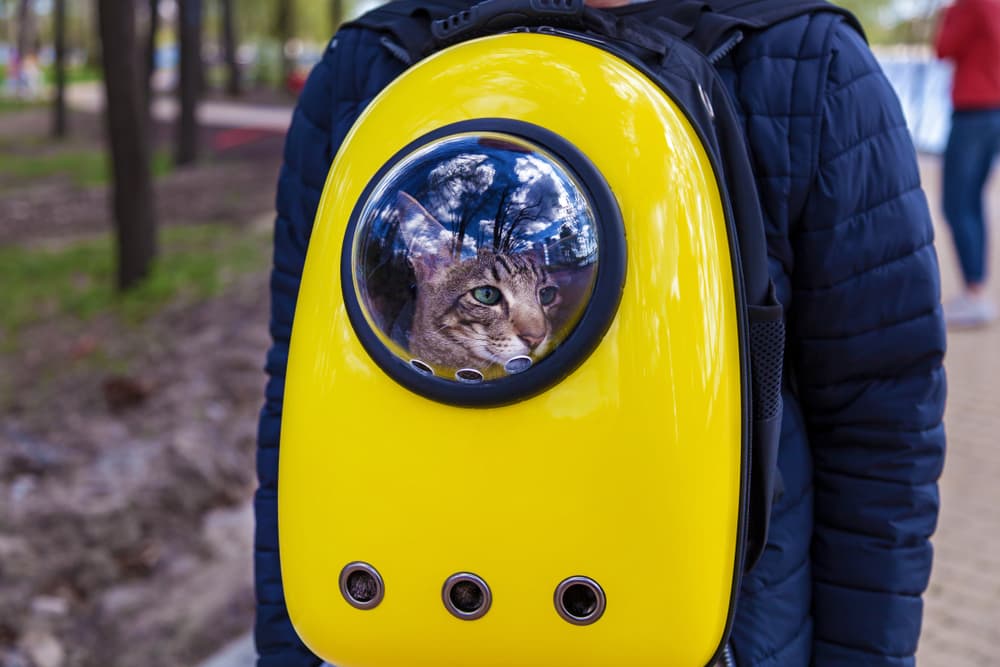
<point>466,596</point>
<point>580,600</point>
<point>518,365</point>
<point>469,376</point>
<point>361,585</point>
<point>421,367</point>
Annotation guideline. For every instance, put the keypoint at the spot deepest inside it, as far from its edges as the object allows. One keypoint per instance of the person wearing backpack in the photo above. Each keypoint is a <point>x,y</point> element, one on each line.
<point>850,252</point>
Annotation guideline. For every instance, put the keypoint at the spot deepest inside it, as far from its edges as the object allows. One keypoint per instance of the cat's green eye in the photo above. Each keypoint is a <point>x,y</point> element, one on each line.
<point>486,295</point>
<point>547,295</point>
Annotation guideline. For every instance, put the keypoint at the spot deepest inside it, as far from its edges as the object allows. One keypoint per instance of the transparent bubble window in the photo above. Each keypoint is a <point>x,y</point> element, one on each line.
<point>475,256</point>
<point>484,262</point>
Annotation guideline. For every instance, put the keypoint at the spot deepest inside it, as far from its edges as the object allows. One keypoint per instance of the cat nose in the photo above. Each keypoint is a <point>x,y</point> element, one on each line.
<point>532,340</point>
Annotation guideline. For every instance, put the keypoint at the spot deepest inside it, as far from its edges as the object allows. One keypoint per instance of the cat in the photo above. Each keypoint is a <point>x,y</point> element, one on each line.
<point>473,313</point>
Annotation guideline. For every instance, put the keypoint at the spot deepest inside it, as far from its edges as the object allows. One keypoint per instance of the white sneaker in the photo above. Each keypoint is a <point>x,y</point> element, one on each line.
<point>966,311</point>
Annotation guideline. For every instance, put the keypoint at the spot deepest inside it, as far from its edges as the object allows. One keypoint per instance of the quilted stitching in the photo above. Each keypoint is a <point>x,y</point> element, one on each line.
<point>859,277</point>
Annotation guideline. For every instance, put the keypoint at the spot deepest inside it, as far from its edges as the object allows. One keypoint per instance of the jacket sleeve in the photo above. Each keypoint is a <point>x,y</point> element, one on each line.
<point>352,71</point>
<point>867,343</point>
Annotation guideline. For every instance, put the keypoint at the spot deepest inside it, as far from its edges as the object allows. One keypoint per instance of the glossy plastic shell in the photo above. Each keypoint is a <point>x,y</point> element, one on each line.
<point>627,472</point>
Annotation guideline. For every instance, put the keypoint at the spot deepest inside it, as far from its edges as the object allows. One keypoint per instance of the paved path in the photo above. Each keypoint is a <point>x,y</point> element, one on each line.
<point>240,653</point>
<point>90,97</point>
<point>962,606</point>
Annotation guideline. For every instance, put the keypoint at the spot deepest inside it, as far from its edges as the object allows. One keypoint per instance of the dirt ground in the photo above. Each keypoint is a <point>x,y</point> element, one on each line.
<point>234,182</point>
<point>127,450</point>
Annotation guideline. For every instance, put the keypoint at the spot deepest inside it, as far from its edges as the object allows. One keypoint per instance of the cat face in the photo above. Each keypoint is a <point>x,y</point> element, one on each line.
<point>476,312</point>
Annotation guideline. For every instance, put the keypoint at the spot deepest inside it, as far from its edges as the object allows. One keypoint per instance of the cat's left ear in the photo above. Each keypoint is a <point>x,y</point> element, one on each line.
<point>428,243</point>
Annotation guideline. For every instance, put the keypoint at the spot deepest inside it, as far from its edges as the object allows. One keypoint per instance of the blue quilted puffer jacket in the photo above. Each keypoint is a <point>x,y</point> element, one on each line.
<point>852,255</point>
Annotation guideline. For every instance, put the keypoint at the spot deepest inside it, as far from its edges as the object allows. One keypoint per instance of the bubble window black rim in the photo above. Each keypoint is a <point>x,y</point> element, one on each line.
<point>574,349</point>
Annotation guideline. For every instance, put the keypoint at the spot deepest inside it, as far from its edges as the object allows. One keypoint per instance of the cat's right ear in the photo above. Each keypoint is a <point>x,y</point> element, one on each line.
<point>428,243</point>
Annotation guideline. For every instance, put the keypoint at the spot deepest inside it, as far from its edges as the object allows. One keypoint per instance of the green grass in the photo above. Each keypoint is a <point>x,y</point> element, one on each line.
<point>77,281</point>
<point>73,74</point>
<point>8,104</point>
<point>86,168</point>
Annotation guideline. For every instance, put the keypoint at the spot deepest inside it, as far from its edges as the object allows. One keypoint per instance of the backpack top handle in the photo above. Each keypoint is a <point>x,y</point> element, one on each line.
<point>493,16</point>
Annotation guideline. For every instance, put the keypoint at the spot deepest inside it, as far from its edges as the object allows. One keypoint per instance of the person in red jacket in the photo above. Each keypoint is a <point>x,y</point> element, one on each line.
<point>969,35</point>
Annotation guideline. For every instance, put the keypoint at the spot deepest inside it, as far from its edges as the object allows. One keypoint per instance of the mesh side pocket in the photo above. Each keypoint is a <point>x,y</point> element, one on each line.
<point>767,353</point>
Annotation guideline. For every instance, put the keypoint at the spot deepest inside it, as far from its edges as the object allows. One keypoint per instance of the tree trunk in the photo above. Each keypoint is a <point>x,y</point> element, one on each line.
<point>154,28</point>
<point>26,29</point>
<point>59,124</point>
<point>132,186</point>
<point>229,46</point>
<point>336,13</point>
<point>90,32</point>
<point>189,20</point>
<point>284,28</point>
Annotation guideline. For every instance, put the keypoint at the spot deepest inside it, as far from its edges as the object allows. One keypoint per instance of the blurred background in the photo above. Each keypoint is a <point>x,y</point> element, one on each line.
<point>133,324</point>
